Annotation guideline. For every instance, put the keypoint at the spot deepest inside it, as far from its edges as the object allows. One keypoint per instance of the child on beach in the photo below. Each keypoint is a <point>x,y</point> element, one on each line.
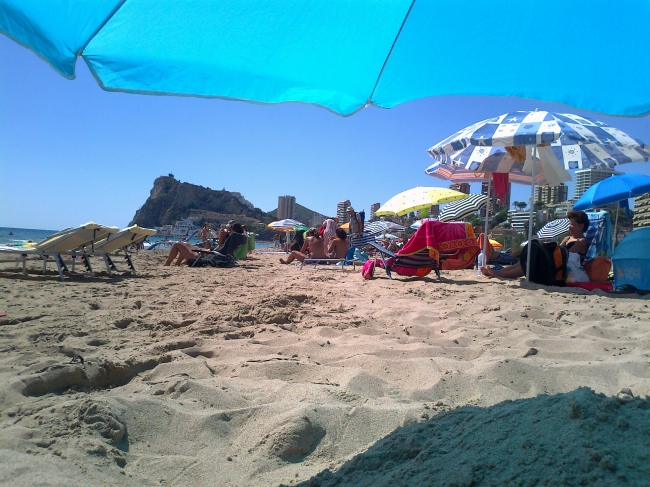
<point>339,246</point>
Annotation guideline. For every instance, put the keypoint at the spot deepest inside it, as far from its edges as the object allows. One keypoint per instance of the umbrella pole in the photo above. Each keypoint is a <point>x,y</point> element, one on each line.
<point>530,218</point>
<point>487,214</point>
<point>618,208</point>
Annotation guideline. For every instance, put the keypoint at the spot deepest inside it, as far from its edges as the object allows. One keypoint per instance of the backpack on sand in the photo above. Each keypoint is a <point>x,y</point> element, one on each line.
<point>548,263</point>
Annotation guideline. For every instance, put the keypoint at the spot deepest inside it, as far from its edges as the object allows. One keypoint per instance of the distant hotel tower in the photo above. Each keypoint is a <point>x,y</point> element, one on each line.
<point>551,194</point>
<point>286,207</point>
<point>588,177</point>
<point>462,187</point>
<point>373,209</point>
<point>342,211</point>
<point>496,205</point>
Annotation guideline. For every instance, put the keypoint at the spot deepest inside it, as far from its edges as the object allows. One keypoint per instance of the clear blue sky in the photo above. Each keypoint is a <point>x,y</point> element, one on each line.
<point>70,152</point>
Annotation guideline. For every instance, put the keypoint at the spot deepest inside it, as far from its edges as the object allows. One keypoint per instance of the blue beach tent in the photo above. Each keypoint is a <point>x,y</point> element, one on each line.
<point>632,260</point>
<point>347,54</point>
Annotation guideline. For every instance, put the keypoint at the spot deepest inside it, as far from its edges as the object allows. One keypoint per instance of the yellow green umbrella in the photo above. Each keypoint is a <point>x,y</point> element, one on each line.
<point>418,198</point>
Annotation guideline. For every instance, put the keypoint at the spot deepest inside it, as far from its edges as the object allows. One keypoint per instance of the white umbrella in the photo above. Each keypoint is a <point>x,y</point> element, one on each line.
<point>533,147</point>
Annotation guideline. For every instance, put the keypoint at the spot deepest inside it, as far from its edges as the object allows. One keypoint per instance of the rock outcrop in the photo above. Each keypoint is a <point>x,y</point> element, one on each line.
<point>170,200</point>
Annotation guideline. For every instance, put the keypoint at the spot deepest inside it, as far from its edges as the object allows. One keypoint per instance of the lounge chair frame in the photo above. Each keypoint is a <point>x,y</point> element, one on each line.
<point>56,247</point>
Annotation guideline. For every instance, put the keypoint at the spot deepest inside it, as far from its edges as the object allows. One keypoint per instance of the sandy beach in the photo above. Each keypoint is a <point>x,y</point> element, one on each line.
<point>268,375</point>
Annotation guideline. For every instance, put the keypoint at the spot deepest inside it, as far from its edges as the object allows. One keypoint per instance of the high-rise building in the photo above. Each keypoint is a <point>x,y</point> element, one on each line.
<point>551,194</point>
<point>286,207</point>
<point>559,193</point>
<point>462,187</point>
<point>342,211</point>
<point>642,211</point>
<point>373,208</point>
<point>496,205</point>
<point>586,178</point>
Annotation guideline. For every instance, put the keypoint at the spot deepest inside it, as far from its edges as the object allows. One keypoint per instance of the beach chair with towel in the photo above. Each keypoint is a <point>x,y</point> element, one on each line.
<point>72,242</point>
<point>432,243</point>
<point>120,242</point>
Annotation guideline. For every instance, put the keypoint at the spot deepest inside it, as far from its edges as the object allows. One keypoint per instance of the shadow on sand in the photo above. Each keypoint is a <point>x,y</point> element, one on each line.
<point>576,438</point>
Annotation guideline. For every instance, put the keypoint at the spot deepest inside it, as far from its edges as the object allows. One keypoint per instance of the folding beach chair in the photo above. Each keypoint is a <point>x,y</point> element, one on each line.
<point>433,242</point>
<point>121,241</point>
<point>71,242</point>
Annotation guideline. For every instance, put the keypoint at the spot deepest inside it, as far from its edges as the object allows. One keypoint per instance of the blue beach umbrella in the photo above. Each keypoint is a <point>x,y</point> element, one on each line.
<point>613,189</point>
<point>344,55</point>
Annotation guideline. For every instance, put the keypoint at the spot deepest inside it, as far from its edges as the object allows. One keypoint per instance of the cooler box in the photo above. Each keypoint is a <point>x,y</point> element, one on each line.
<point>631,260</point>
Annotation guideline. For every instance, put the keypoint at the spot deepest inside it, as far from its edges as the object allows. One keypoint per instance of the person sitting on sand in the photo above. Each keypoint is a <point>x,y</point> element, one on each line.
<point>183,251</point>
<point>575,243</point>
<point>313,243</point>
<point>339,246</point>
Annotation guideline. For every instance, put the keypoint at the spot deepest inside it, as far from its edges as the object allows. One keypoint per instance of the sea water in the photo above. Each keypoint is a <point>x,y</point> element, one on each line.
<point>19,236</point>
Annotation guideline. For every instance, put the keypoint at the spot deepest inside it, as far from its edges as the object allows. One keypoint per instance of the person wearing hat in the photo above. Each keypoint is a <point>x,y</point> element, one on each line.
<point>356,222</point>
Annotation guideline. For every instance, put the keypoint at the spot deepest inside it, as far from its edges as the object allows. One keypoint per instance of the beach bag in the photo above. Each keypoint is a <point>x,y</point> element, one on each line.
<point>548,263</point>
<point>575,272</point>
<point>212,260</point>
<point>598,269</point>
<point>368,270</point>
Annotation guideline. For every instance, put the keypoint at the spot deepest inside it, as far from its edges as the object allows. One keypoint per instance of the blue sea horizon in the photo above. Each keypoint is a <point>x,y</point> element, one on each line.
<point>15,236</point>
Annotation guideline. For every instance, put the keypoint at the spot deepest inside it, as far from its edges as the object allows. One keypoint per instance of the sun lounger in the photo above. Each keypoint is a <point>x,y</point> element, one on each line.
<point>71,242</point>
<point>121,241</point>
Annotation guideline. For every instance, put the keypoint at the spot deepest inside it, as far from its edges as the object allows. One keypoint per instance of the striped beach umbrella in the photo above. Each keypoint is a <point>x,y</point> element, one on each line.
<point>383,226</point>
<point>285,224</point>
<point>457,210</point>
<point>554,229</point>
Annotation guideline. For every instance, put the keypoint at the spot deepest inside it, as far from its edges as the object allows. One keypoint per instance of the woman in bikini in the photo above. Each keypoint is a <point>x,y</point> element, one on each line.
<point>575,243</point>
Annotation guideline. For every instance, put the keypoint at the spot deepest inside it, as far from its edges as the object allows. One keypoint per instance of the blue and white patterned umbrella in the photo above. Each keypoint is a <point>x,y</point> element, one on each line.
<point>575,142</point>
<point>554,229</point>
<point>383,226</point>
<point>457,210</point>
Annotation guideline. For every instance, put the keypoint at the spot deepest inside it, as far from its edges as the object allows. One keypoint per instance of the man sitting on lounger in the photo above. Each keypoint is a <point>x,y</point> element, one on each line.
<point>313,243</point>
<point>186,251</point>
<point>339,246</point>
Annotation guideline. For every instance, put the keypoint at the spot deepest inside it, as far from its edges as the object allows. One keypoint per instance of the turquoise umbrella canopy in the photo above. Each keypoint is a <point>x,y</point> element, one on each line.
<point>344,55</point>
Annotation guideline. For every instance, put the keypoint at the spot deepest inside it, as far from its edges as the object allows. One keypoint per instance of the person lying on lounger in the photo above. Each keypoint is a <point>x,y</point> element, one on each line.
<point>575,242</point>
<point>339,246</point>
<point>183,251</point>
<point>313,243</point>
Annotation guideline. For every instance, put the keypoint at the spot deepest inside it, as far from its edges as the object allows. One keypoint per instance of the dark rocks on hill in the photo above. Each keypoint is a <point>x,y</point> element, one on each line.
<point>170,200</point>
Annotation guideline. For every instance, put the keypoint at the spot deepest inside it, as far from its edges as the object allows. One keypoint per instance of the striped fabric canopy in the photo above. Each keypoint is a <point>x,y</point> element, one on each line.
<point>383,226</point>
<point>554,229</point>
<point>286,224</point>
<point>457,210</point>
<point>575,143</point>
